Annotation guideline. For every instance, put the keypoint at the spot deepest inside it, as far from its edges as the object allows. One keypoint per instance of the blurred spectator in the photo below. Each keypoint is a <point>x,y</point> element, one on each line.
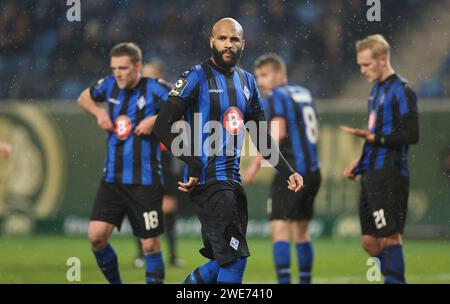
<point>13,27</point>
<point>42,55</point>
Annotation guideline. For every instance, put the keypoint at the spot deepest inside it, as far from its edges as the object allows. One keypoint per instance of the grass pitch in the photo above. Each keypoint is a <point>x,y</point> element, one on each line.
<point>42,259</point>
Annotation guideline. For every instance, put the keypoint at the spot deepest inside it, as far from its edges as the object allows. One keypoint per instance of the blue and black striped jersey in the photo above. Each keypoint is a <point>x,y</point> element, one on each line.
<point>215,96</point>
<point>131,159</point>
<point>296,106</point>
<point>393,118</point>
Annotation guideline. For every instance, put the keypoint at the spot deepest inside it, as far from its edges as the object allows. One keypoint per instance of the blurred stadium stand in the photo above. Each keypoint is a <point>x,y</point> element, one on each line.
<point>421,53</point>
<point>44,56</point>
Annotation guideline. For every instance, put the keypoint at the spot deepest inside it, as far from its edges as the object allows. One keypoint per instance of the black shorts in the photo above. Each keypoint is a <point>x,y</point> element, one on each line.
<point>141,203</point>
<point>222,210</point>
<point>383,202</point>
<point>285,204</point>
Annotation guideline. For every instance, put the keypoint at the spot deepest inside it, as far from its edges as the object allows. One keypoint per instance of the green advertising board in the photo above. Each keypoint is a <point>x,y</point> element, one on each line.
<point>49,183</point>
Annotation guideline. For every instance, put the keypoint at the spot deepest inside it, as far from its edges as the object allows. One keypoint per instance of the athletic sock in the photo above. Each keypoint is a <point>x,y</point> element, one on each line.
<point>305,258</point>
<point>107,261</point>
<point>204,274</point>
<point>282,261</point>
<point>394,265</point>
<point>233,272</point>
<point>154,268</point>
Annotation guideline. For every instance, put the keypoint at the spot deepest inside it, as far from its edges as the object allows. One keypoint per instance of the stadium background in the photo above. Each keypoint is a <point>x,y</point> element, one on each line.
<point>47,187</point>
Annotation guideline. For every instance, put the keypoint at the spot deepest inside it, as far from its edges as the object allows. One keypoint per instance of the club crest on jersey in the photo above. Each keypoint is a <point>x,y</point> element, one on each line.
<point>141,102</point>
<point>233,121</point>
<point>122,127</point>
<point>178,88</point>
<point>99,83</point>
<point>234,243</point>
<point>246,92</point>
<point>372,120</point>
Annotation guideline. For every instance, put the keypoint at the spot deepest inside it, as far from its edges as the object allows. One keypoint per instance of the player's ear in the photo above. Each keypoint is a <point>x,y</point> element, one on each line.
<point>138,66</point>
<point>211,39</point>
<point>243,44</point>
<point>383,59</point>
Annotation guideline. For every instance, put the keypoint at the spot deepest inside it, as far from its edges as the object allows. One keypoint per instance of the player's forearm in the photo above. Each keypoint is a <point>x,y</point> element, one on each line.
<point>407,134</point>
<point>151,121</point>
<point>88,104</point>
<point>273,155</point>
<point>256,164</point>
<point>171,112</point>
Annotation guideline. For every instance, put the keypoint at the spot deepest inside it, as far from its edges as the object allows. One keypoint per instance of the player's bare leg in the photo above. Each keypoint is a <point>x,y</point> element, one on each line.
<point>389,251</point>
<point>98,234</point>
<point>169,207</point>
<point>300,231</point>
<point>304,249</point>
<point>150,245</point>
<point>391,240</point>
<point>371,245</point>
<point>279,230</point>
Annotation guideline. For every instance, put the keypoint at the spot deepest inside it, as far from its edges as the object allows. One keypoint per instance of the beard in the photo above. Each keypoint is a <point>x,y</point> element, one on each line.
<point>218,58</point>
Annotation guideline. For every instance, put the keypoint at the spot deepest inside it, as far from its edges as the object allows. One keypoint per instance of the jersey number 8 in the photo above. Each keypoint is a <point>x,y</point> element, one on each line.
<point>310,119</point>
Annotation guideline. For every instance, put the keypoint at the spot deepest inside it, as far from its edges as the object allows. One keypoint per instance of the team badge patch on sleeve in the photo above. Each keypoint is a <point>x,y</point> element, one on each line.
<point>179,87</point>
<point>99,83</point>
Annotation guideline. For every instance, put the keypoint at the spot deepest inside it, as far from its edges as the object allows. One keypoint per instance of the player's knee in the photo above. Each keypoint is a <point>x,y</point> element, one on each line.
<point>391,240</point>
<point>98,240</point>
<point>300,232</point>
<point>280,231</point>
<point>371,247</point>
<point>150,245</point>
<point>169,205</point>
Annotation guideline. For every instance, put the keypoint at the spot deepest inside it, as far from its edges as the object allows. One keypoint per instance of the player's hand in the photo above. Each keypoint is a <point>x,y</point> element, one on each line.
<point>295,182</point>
<point>348,171</point>
<point>145,127</point>
<point>187,187</point>
<point>359,132</point>
<point>103,120</point>
<point>5,150</point>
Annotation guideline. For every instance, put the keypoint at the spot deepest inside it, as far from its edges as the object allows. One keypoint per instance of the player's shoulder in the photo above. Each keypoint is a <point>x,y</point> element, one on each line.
<point>153,82</point>
<point>402,87</point>
<point>302,89</point>
<point>250,77</point>
<point>298,93</point>
<point>250,80</point>
<point>192,73</point>
<point>107,80</point>
<point>277,92</point>
<point>188,79</point>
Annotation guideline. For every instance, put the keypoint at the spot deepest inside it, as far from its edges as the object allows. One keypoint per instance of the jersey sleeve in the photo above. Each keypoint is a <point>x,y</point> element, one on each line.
<point>160,92</point>
<point>98,91</point>
<point>256,104</point>
<point>185,88</point>
<point>407,130</point>
<point>273,105</point>
<point>407,101</point>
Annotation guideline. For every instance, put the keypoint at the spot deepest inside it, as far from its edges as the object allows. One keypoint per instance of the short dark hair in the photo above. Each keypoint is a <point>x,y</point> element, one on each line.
<point>271,58</point>
<point>129,49</point>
